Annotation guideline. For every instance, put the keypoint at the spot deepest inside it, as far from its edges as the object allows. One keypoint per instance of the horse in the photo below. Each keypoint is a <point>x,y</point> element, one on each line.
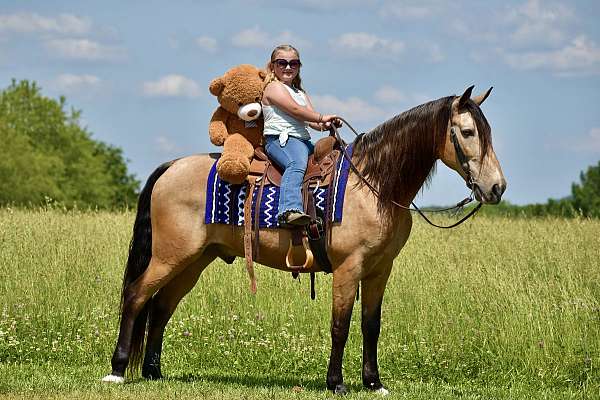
<point>171,244</point>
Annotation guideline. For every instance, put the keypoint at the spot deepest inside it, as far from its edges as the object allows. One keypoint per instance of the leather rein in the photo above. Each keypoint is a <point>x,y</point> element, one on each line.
<point>461,158</point>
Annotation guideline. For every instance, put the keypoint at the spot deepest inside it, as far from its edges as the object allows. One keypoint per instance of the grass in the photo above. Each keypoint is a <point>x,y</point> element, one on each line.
<point>498,308</point>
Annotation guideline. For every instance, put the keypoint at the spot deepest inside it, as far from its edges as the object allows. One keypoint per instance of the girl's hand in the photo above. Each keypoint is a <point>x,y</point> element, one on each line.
<point>327,120</point>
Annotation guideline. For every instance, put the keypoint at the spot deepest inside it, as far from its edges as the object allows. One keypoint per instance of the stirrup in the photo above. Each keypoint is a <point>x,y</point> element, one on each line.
<point>308,256</point>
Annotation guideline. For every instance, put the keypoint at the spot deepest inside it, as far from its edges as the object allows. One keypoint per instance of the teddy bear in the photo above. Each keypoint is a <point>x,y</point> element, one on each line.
<point>237,124</point>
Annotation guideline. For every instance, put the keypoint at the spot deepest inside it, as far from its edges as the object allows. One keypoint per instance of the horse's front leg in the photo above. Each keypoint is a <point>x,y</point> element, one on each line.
<point>372,295</point>
<point>345,282</point>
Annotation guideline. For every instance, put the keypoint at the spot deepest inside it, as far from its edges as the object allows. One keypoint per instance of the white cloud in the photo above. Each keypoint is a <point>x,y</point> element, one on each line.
<point>578,143</point>
<point>433,52</point>
<point>252,37</point>
<point>393,97</point>
<point>354,109</point>
<point>256,37</point>
<point>321,5</point>
<point>165,145</point>
<point>363,44</point>
<point>34,23</point>
<point>70,83</point>
<point>537,22</point>
<point>84,49</point>
<point>404,11</point>
<point>207,43</point>
<point>172,86</point>
<point>589,143</point>
<point>287,37</point>
<point>581,56</point>
<point>388,94</point>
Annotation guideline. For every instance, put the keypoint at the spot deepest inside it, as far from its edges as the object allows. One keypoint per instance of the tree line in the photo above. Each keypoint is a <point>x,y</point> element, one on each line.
<point>584,201</point>
<point>47,156</point>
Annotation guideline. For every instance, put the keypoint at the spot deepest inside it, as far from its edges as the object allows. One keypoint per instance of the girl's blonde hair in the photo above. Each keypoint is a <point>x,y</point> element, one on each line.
<point>270,75</point>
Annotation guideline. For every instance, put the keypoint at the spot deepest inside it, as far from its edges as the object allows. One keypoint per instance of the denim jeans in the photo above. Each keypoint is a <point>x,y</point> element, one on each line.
<point>292,158</point>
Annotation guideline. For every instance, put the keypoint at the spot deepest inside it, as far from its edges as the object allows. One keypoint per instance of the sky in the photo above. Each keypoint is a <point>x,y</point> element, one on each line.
<point>140,70</point>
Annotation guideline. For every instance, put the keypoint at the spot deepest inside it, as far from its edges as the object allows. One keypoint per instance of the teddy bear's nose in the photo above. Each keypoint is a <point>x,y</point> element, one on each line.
<point>252,113</point>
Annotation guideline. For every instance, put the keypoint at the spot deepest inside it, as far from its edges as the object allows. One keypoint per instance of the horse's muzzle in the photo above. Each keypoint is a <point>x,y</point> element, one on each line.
<point>492,196</point>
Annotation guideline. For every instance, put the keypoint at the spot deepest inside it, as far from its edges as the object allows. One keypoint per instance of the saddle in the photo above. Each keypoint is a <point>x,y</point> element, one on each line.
<point>306,244</point>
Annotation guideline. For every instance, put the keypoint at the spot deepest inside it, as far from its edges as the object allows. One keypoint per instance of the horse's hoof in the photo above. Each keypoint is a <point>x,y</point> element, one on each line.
<point>382,391</point>
<point>340,389</point>
<point>110,378</point>
<point>377,387</point>
<point>152,374</point>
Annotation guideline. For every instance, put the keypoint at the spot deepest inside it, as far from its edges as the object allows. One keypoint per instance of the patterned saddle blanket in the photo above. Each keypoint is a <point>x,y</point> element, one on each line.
<point>225,201</point>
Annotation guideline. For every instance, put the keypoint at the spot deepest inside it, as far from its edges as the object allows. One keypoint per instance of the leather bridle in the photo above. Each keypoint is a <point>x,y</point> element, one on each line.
<point>462,161</point>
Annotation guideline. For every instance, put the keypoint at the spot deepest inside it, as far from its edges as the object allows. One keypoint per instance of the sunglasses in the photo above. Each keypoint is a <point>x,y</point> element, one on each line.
<point>281,63</point>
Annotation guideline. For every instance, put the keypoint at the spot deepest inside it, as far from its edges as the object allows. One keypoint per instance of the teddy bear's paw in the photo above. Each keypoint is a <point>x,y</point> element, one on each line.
<point>233,170</point>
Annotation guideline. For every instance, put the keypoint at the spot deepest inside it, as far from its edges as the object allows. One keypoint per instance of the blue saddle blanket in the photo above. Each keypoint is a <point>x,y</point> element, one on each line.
<point>225,201</point>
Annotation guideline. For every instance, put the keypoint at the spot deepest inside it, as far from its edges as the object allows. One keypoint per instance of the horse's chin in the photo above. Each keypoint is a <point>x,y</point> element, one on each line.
<point>486,197</point>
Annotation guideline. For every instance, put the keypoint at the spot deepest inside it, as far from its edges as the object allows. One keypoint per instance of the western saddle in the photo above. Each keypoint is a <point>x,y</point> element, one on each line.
<point>309,243</point>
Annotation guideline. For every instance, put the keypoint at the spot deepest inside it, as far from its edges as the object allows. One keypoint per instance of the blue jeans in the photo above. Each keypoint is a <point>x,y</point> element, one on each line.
<point>292,158</point>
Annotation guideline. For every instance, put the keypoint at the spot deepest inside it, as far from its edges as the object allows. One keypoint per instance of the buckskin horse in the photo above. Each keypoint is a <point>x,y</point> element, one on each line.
<point>172,245</point>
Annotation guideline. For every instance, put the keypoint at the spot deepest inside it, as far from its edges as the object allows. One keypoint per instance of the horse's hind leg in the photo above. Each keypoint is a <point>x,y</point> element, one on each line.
<point>132,330</point>
<point>162,308</point>
<point>372,287</point>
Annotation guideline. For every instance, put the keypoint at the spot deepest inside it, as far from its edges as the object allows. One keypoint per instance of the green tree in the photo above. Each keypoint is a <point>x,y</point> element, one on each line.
<point>46,152</point>
<point>586,195</point>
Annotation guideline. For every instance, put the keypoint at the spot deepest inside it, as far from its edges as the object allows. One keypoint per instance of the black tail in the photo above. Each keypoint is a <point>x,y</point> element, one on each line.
<point>140,252</point>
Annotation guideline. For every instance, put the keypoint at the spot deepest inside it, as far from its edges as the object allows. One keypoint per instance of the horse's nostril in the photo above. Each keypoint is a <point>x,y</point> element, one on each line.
<point>498,190</point>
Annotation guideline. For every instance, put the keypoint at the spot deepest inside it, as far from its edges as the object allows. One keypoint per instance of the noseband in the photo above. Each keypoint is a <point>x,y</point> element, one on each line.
<point>462,159</point>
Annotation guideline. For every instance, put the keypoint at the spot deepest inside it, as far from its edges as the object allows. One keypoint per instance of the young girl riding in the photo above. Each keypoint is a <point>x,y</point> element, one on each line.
<point>287,111</point>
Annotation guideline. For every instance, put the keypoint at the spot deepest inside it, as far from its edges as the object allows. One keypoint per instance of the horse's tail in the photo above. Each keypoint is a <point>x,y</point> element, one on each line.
<point>140,252</point>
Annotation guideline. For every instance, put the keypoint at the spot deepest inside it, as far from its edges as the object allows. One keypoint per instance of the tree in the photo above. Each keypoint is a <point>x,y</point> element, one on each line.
<point>586,195</point>
<point>46,153</point>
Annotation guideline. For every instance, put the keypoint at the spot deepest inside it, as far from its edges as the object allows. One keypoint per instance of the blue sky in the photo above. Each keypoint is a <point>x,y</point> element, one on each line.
<point>140,71</point>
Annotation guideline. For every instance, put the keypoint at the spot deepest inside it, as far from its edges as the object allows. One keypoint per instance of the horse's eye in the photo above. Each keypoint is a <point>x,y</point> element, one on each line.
<point>467,132</point>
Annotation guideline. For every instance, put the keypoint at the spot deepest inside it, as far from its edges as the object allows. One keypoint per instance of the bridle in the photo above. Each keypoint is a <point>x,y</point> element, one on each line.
<point>462,161</point>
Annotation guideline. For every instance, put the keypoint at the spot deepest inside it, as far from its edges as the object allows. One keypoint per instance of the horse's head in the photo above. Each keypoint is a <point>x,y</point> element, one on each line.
<point>468,148</point>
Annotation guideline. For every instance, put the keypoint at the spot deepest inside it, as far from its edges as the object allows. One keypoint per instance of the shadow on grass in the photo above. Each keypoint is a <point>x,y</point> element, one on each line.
<point>259,381</point>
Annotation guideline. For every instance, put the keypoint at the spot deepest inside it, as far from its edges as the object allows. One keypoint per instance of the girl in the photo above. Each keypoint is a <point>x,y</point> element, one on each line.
<point>287,110</point>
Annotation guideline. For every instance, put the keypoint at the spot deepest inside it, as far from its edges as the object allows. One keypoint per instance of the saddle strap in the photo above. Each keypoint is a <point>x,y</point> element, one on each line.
<point>261,186</point>
<point>248,236</point>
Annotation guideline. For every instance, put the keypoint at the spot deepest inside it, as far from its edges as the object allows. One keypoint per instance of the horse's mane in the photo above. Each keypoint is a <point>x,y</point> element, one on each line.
<point>398,156</point>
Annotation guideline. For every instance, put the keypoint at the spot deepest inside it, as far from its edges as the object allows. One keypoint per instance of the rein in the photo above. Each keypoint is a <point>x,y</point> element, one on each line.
<point>463,162</point>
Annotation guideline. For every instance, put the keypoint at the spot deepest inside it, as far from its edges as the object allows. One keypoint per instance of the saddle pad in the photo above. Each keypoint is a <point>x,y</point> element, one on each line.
<point>225,201</point>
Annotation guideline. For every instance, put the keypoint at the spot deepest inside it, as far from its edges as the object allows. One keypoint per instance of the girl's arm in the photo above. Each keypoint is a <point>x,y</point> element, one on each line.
<point>276,94</point>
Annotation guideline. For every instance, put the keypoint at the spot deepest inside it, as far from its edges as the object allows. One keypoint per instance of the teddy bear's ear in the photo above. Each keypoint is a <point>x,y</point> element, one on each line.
<point>262,73</point>
<point>216,86</point>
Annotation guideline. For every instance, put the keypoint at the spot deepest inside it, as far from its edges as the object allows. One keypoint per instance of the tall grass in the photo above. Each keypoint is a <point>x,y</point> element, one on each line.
<point>495,304</point>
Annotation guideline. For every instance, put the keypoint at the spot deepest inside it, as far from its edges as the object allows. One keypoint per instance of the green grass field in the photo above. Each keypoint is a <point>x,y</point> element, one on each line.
<point>498,308</point>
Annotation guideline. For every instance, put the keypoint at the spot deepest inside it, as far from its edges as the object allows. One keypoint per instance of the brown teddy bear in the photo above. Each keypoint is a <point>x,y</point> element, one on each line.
<point>236,124</point>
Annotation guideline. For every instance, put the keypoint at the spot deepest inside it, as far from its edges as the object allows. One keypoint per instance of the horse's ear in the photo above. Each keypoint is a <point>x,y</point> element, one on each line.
<point>465,97</point>
<point>481,98</point>
<point>216,86</point>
